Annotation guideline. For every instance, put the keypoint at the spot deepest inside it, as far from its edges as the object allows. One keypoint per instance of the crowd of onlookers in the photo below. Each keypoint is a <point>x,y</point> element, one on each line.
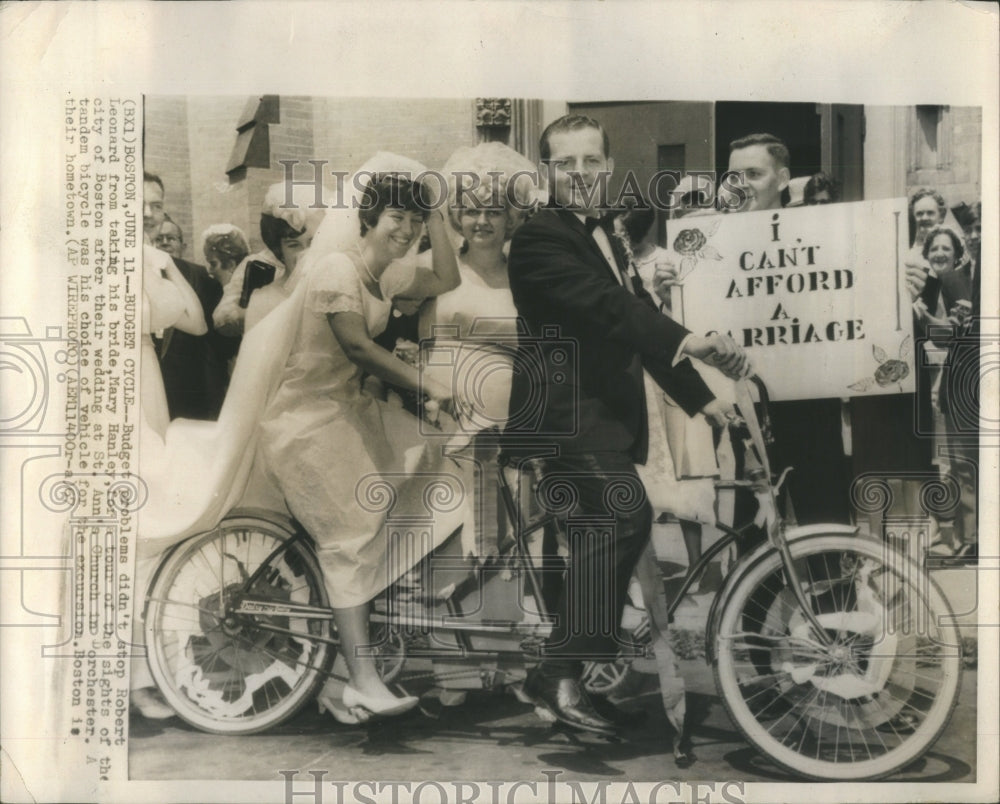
<point>947,311</point>
<point>907,439</point>
<point>196,368</point>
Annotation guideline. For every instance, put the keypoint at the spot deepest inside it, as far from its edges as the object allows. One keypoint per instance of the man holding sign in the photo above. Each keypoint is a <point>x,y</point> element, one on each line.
<point>808,432</point>
<point>766,267</point>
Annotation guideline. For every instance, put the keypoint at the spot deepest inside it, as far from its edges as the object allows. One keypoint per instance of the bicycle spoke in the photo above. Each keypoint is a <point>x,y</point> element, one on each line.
<point>819,735</point>
<point>864,742</point>
<point>185,605</point>
<point>814,694</point>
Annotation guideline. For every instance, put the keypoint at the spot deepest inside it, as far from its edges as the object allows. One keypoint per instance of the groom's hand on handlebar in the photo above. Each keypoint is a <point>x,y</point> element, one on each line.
<point>719,413</point>
<point>720,351</point>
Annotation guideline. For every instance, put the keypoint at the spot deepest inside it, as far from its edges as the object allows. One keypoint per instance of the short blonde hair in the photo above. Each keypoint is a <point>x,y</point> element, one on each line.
<point>226,241</point>
<point>495,176</point>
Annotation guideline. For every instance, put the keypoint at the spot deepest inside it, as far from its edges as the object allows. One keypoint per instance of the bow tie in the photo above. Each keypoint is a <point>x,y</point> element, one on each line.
<point>591,224</point>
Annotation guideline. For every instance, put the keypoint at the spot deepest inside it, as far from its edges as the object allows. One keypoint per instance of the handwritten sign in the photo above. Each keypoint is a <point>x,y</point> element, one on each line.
<point>815,294</point>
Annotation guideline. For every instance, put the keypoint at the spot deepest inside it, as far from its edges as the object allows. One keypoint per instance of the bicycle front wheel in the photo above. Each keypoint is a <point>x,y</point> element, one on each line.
<point>872,700</point>
<point>229,672</point>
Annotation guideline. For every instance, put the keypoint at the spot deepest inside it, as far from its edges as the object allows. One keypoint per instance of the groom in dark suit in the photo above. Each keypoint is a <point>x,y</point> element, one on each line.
<point>571,286</point>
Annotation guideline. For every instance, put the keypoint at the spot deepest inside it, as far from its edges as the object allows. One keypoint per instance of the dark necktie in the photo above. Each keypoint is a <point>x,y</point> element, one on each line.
<point>591,224</point>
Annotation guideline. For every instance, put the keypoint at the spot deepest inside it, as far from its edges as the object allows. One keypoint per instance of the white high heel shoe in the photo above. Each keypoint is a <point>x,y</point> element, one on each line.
<point>149,703</point>
<point>389,705</point>
<point>327,702</point>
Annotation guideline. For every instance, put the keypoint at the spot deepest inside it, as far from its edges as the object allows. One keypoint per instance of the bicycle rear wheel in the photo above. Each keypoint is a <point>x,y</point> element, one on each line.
<point>868,704</point>
<point>236,673</point>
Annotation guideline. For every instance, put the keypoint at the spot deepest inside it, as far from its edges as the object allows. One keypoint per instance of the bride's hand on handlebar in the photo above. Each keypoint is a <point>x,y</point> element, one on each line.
<point>442,398</point>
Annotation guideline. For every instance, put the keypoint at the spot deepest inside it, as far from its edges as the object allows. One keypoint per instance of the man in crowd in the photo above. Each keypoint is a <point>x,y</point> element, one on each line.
<point>152,206</point>
<point>170,238</point>
<point>566,278</point>
<point>194,367</point>
<point>761,165</point>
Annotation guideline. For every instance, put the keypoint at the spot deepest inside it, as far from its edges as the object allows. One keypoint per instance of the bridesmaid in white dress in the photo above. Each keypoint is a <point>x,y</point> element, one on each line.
<point>477,322</point>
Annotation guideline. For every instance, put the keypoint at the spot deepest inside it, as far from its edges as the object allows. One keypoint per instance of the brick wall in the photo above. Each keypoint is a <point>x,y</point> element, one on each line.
<point>967,140</point>
<point>348,131</point>
<point>291,138</point>
<point>954,166</point>
<point>167,155</point>
<point>212,134</point>
<point>189,141</point>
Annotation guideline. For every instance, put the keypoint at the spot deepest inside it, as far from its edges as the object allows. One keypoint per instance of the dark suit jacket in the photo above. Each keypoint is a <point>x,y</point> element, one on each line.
<point>956,286</point>
<point>194,367</point>
<point>575,307</point>
<point>960,379</point>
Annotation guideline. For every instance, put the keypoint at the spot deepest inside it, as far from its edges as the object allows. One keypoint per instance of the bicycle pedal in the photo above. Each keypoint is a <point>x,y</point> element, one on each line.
<point>520,694</point>
<point>452,697</point>
<point>532,646</point>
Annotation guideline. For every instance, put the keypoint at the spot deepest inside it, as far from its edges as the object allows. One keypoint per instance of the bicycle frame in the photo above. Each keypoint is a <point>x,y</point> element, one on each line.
<point>766,492</point>
<point>764,489</point>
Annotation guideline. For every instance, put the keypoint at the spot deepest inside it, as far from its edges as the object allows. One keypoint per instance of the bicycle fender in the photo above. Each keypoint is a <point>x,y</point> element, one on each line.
<point>277,519</point>
<point>791,534</point>
<point>832,529</point>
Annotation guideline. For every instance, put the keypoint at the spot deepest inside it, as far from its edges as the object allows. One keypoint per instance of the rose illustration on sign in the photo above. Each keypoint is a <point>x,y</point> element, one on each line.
<point>692,245</point>
<point>889,371</point>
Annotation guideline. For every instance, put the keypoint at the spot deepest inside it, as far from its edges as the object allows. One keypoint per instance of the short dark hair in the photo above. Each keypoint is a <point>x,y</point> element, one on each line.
<point>389,191</point>
<point>967,215</point>
<point>818,183</point>
<point>273,230</point>
<point>570,122</point>
<point>956,242</point>
<point>775,147</point>
<point>152,178</point>
<point>638,220</point>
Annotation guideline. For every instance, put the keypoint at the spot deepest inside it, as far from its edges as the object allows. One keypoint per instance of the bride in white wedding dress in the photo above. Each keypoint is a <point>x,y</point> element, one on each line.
<point>298,418</point>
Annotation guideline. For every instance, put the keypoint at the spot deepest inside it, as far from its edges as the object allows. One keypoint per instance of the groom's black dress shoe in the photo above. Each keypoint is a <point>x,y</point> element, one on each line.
<point>618,718</point>
<point>567,701</point>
